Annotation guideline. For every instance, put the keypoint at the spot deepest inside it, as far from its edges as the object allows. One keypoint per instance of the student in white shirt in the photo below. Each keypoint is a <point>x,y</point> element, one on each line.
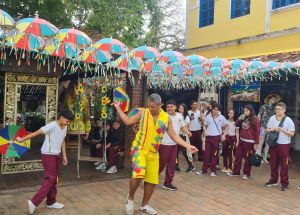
<point>215,128</point>
<point>232,136</point>
<point>195,128</point>
<point>280,154</point>
<point>53,146</point>
<point>168,148</point>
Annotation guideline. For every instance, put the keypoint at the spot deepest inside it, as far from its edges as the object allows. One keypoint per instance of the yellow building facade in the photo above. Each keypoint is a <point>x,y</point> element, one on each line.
<point>268,26</point>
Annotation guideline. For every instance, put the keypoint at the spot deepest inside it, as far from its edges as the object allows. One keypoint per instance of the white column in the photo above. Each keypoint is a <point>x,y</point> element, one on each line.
<point>268,15</point>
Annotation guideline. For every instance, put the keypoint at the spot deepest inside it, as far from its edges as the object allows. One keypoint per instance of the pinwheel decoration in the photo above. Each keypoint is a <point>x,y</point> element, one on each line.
<point>9,147</point>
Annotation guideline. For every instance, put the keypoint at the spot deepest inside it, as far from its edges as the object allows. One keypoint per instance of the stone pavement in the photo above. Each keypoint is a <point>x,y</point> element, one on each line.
<point>195,195</point>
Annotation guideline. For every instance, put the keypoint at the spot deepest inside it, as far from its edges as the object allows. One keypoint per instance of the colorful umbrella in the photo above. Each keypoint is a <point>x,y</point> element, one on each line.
<point>9,147</point>
<point>25,41</point>
<point>37,27</point>
<point>218,65</point>
<point>151,66</point>
<point>197,70</point>
<point>92,55</point>
<point>145,52</point>
<point>196,60</point>
<point>172,56</point>
<point>111,45</point>
<point>127,63</point>
<point>61,49</point>
<point>238,67</point>
<point>6,21</point>
<point>175,69</point>
<point>74,36</point>
<point>121,96</point>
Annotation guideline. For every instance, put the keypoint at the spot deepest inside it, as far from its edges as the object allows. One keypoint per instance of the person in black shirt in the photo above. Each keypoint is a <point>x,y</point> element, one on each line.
<point>96,140</point>
<point>115,145</point>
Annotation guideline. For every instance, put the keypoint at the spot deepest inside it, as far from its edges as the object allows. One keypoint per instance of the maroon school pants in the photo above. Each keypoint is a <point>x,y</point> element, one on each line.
<point>228,151</point>
<point>211,153</point>
<point>279,157</point>
<point>167,157</point>
<point>113,154</point>
<point>48,189</point>
<point>244,150</point>
<point>196,141</point>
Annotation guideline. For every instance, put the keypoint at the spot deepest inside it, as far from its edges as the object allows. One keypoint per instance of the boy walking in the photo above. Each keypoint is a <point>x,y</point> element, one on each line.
<point>53,146</point>
<point>280,154</point>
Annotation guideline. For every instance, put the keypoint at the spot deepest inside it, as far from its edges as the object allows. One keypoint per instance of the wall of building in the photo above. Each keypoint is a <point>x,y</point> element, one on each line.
<point>224,28</point>
<point>263,31</point>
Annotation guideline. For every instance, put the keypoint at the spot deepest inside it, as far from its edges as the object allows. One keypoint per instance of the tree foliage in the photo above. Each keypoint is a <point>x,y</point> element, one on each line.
<point>156,23</point>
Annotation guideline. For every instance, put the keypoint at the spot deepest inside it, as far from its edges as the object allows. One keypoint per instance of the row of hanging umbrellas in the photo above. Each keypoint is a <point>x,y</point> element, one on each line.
<point>167,69</point>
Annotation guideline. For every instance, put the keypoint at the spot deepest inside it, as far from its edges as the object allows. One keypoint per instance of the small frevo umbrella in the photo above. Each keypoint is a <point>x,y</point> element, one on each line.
<point>9,147</point>
<point>122,97</point>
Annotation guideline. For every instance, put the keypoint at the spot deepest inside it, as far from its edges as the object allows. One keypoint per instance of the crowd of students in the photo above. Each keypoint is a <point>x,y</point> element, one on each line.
<point>236,139</point>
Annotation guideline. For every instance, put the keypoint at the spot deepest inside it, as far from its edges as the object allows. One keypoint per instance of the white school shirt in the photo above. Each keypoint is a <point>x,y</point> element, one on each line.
<point>178,123</point>
<point>195,124</point>
<point>288,125</point>
<point>231,128</point>
<point>54,137</point>
<point>212,129</point>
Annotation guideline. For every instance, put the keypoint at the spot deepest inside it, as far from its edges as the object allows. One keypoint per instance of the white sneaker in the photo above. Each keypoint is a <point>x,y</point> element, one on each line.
<point>129,207</point>
<point>149,210</point>
<point>97,163</point>
<point>212,174</point>
<point>112,169</point>
<point>31,207</point>
<point>101,166</point>
<point>199,173</point>
<point>245,177</point>
<point>56,205</point>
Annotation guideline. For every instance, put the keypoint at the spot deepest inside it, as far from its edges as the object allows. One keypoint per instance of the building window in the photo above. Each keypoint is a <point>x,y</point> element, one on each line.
<point>239,8</point>
<point>207,8</point>
<point>283,3</point>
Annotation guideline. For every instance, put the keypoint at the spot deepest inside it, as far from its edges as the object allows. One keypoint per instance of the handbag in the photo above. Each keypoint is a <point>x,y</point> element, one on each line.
<point>272,136</point>
<point>255,159</point>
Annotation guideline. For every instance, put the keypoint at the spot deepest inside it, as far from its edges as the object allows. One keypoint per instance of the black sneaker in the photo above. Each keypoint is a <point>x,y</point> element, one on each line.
<point>283,188</point>
<point>270,184</point>
<point>170,187</point>
<point>177,168</point>
<point>190,169</point>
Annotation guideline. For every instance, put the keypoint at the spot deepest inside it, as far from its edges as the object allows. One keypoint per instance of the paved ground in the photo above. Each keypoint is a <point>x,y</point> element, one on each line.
<point>195,195</point>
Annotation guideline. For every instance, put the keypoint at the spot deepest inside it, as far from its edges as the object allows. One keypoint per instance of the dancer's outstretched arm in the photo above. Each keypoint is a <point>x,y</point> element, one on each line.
<point>127,121</point>
<point>178,140</point>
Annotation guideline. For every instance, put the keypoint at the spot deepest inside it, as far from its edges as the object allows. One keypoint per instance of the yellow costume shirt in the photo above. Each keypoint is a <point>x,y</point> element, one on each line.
<point>144,151</point>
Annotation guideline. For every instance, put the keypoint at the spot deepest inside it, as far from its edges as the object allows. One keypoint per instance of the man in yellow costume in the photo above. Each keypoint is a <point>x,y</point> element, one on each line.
<point>153,123</point>
<point>80,108</point>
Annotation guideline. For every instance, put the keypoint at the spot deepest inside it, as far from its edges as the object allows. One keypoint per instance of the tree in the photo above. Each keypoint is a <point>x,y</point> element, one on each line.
<point>157,23</point>
<point>52,10</point>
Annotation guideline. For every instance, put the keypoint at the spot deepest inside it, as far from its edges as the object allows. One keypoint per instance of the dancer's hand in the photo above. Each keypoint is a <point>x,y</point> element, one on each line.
<point>203,146</point>
<point>192,149</point>
<point>20,140</point>
<point>190,134</point>
<point>117,104</point>
<point>65,161</point>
